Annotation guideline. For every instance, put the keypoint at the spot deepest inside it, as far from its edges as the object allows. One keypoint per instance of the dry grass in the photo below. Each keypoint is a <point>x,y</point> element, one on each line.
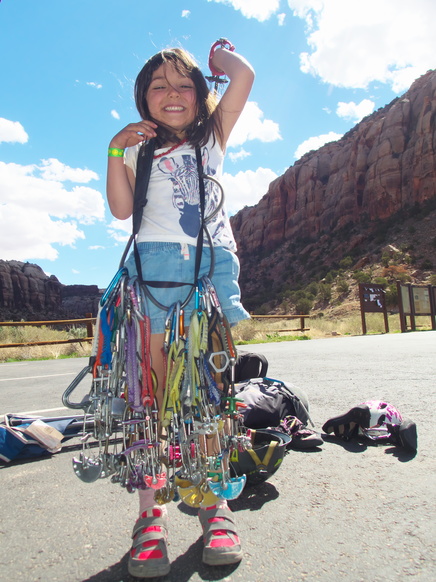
<point>248,331</point>
<point>255,331</point>
<point>27,334</point>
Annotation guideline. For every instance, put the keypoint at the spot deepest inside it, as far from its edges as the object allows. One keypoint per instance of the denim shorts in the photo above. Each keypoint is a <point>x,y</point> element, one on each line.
<point>161,261</point>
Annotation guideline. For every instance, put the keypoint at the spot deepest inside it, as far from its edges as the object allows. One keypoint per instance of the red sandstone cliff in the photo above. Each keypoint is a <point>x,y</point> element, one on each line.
<point>26,292</point>
<point>385,164</point>
<point>330,202</point>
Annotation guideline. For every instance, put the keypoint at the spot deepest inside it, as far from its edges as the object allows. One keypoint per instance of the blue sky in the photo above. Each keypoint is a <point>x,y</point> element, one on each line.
<point>67,74</point>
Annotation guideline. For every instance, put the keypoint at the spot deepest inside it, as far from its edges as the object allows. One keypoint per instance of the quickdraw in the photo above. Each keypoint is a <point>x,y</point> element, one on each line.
<point>183,451</point>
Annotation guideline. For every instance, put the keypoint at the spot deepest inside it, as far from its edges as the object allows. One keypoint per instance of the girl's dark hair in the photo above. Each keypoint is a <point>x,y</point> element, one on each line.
<point>205,122</point>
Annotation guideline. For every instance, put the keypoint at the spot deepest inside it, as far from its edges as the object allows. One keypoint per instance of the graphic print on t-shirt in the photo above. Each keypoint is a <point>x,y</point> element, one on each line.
<point>182,171</point>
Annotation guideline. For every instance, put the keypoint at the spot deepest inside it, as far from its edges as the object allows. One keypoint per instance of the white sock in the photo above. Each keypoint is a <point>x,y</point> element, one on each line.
<point>146,502</point>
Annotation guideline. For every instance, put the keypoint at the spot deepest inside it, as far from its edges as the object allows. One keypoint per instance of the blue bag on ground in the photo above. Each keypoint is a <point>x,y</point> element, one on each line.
<point>17,445</point>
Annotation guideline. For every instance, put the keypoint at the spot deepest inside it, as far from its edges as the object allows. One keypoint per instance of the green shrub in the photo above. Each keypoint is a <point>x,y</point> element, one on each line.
<point>303,306</point>
<point>343,286</point>
<point>297,295</point>
<point>362,277</point>
<point>385,260</point>
<point>391,296</point>
<point>426,265</point>
<point>346,262</point>
<point>325,291</point>
<point>381,281</point>
<point>312,288</point>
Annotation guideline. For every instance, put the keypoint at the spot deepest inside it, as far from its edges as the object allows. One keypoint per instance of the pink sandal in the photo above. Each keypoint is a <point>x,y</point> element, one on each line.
<point>221,542</point>
<point>149,554</point>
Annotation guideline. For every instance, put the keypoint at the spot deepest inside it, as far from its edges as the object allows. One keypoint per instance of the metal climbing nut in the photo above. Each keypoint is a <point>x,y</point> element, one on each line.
<point>224,367</point>
<point>87,469</point>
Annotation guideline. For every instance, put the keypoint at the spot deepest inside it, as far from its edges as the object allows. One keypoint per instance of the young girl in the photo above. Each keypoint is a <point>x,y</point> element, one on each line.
<point>179,111</point>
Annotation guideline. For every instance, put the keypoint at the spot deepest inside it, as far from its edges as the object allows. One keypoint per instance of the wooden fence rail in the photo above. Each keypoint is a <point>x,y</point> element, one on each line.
<point>89,320</point>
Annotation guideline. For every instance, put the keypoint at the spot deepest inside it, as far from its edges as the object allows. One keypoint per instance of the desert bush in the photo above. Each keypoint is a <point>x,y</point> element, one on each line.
<point>303,306</point>
<point>362,277</point>
<point>426,265</point>
<point>396,273</point>
<point>391,296</point>
<point>346,262</point>
<point>312,288</point>
<point>325,292</point>
<point>380,280</point>
<point>342,286</point>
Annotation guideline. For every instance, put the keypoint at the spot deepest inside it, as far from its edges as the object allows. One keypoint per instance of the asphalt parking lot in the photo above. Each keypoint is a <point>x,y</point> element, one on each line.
<point>345,511</point>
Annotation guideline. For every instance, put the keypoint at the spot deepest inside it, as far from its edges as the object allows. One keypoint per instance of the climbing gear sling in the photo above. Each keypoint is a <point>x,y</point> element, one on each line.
<point>183,449</point>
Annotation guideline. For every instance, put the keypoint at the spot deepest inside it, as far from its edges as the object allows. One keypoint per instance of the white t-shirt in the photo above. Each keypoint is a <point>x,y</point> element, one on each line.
<point>172,212</point>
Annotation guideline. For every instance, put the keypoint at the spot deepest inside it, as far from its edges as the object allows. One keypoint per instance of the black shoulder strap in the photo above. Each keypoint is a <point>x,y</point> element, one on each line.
<point>143,172</point>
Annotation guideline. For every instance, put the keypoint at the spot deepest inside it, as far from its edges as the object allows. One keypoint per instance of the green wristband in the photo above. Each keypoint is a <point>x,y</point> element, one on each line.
<point>115,152</point>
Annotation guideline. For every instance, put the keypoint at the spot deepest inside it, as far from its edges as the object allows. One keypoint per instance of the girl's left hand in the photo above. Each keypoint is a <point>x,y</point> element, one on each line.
<point>133,134</point>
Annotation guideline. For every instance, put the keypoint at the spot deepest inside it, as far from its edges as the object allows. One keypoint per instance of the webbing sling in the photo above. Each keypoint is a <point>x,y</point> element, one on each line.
<point>143,172</point>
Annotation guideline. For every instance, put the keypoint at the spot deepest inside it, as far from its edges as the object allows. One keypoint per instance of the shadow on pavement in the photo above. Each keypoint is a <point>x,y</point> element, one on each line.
<point>356,446</point>
<point>182,569</point>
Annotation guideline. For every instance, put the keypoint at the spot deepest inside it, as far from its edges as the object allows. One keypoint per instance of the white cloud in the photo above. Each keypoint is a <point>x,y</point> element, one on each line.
<point>241,155</point>
<point>354,43</point>
<point>355,111</point>
<point>246,188</point>
<point>259,9</point>
<point>186,13</point>
<point>251,125</point>
<point>95,247</point>
<point>115,114</point>
<point>95,85</point>
<point>38,212</point>
<point>314,143</point>
<point>281,18</point>
<point>31,235</point>
<point>120,230</point>
<point>12,131</point>
<point>53,169</point>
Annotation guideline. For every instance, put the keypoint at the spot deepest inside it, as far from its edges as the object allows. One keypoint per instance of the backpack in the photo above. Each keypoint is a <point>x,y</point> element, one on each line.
<point>268,401</point>
<point>249,365</point>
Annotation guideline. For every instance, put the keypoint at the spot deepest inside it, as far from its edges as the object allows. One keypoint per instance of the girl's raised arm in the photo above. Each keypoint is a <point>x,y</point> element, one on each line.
<point>241,77</point>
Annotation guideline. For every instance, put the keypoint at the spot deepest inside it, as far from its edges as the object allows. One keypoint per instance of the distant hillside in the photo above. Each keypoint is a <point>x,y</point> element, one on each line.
<point>26,292</point>
<point>360,208</point>
<point>373,187</point>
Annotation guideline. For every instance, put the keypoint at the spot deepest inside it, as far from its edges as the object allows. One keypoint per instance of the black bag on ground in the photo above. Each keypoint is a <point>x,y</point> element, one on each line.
<point>268,401</point>
<point>250,365</point>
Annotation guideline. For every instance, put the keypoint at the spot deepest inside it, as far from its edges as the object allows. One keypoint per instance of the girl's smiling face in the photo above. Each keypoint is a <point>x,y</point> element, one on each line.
<point>171,99</point>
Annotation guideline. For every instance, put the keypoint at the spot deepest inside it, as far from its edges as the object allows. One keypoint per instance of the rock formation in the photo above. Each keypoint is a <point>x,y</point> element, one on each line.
<point>26,292</point>
<point>78,300</point>
<point>330,203</point>
<point>385,164</point>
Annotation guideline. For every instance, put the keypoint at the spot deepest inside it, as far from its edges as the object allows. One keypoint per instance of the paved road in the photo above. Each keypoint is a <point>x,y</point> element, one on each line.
<point>346,512</point>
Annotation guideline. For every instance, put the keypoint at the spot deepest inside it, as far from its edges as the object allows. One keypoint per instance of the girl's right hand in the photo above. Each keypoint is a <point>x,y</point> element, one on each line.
<point>133,134</point>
